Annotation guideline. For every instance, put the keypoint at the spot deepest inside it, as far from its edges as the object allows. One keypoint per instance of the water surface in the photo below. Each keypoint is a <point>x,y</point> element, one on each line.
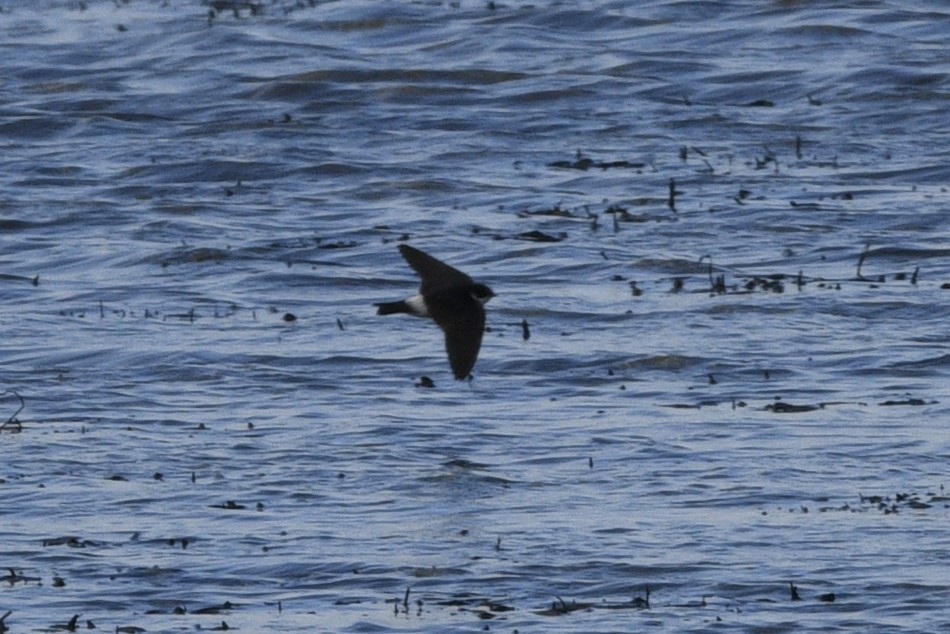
<point>723,393</point>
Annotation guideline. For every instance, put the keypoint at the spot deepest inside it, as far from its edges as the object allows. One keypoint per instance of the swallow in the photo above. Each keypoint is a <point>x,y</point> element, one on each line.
<point>452,300</point>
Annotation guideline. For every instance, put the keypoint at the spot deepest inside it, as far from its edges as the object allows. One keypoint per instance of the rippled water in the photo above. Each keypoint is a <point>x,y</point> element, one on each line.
<point>739,388</point>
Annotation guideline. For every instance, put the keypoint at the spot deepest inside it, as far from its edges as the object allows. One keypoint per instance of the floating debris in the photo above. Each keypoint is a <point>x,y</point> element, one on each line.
<point>584,163</point>
<point>913,402</point>
<point>69,541</point>
<point>70,626</point>
<point>12,423</point>
<point>339,244</point>
<point>889,505</point>
<point>561,607</point>
<point>556,211</point>
<point>425,381</point>
<point>230,505</point>
<point>540,236</point>
<point>13,577</point>
<point>781,407</point>
<point>828,597</point>
<point>642,602</point>
<point>805,206</point>
<point>861,259</point>
<point>227,606</point>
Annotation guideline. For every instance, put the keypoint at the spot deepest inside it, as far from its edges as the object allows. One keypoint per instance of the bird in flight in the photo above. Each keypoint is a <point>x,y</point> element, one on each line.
<point>453,300</point>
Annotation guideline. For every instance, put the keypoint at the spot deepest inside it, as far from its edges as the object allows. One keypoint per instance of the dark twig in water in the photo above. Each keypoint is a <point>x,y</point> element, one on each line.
<point>13,422</point>
<point>710,269</point>
<point>794,591</point>
<point>643,603</point>
<point>561,607</point>
<point>566,608</point>
<point>69,627</point>
<point>718,284</point>
<point>585,163</point>
<point>671,201</point>
<point>861,259</point>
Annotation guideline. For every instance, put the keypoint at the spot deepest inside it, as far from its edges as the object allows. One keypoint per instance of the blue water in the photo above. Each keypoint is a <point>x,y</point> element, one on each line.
<point>721,396</point>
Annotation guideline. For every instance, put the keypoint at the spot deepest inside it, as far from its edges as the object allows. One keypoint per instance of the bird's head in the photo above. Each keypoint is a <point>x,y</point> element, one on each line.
<point>482,293</point>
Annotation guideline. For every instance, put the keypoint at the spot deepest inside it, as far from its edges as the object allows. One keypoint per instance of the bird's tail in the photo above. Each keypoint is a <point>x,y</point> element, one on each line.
<point>391,308</point>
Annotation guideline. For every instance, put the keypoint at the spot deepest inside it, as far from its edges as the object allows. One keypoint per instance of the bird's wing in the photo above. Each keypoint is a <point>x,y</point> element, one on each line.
<point>435,274</point>
<point>464,325</point>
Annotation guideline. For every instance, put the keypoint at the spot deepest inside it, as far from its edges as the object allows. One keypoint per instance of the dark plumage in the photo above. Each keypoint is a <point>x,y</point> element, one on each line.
<point>453,300</point>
